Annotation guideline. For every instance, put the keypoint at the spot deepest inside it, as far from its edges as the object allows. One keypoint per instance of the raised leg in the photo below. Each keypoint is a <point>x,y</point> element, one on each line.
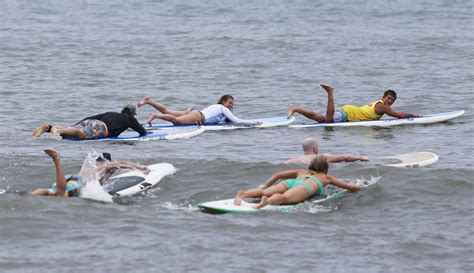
<point>330,106</point>
<point>305,112</point>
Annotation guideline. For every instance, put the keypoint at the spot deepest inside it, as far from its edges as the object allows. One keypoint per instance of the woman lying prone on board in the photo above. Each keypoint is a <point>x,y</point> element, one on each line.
<point>299,185</point>
<point>212,114</point>
<point>68,185</point>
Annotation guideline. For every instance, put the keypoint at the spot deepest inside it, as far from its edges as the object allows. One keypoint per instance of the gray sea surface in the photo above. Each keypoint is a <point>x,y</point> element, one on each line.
<point>61,61</point>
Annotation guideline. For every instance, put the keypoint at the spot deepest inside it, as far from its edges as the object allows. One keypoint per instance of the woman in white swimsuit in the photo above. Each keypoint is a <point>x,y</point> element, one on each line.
<point>212,114</point>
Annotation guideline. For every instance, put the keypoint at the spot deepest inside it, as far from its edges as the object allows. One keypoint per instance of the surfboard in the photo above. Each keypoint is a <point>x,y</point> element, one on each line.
<point>155,134</point>
<point>387,122</point>
<point>266,123</point>
<point>227,206</point>
<point>133,182</point>
<point>409,160</point>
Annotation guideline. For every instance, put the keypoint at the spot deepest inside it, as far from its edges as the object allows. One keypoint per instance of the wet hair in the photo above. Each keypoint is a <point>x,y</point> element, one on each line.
<point>319,164</point>
<point>224,98</point>
<point>391,93</point>
<point>104,157</point>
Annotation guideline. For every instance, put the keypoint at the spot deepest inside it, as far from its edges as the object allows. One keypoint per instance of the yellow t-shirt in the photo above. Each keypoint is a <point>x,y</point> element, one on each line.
<point>366,112</point>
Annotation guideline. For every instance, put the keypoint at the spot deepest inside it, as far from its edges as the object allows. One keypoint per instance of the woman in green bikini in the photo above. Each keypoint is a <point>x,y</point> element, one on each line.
<point>299,185</point>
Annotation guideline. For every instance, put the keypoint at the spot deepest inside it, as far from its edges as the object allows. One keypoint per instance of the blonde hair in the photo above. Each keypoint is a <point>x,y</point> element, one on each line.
<point>319,164</point>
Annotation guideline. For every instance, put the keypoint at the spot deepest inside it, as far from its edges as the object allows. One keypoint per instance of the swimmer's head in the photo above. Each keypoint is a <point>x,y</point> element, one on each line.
<point>319,164</point>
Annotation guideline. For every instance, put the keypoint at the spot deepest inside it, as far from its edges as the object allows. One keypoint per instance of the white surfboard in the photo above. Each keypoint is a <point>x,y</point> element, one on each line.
<point>409,160</point>
<point>133,182</point>
<point>266,123</point>
<point>228,206</point>
<point>155,134</point>
<point>387,122</point>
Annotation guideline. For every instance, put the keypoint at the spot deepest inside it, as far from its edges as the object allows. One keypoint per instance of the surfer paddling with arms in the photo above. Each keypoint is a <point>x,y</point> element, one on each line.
<point>298,185</point>
<point>372,111</point>
<point>310,149</point>
<point>68,185</point>
<point>213,114</point>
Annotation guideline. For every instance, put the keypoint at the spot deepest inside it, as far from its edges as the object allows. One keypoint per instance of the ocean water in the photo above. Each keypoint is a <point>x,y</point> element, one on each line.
<point>61,61</point>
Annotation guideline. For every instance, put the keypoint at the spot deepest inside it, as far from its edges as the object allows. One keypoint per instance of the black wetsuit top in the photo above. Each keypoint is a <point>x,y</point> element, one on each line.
<point>118,122</point>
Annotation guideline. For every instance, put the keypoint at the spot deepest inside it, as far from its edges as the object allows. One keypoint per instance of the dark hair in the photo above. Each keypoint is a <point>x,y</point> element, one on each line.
<point>224,98</point>
<point>391,93</point>
<point>319,164</point>
<point>104,156</point>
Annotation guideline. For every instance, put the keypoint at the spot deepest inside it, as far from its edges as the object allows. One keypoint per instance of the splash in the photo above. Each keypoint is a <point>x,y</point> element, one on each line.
<point>91,188</point>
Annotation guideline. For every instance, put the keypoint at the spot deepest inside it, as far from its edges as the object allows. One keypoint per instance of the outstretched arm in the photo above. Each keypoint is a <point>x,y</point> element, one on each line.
<point>345,158</point>
<point>228,114</point>
<point>342,184</point>
<point>381,108</point>
<point>133,165</point>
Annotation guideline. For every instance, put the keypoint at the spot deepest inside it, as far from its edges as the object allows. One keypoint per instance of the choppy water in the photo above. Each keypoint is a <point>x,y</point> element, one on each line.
<point>61,61</point>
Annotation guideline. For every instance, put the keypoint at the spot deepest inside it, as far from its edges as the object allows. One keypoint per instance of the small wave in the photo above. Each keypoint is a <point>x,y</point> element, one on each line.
<point>177,207</point>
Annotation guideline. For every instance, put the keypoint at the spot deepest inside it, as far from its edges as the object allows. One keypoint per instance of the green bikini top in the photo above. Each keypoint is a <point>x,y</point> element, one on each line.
<point>319,183</point>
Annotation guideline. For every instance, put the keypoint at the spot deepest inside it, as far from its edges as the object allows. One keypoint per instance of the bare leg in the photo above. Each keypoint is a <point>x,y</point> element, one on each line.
<point>162,108</point>
<point>60,180</point>
<point>293,196</point>
<point>305,112</point>
<point>330,106</point>
<point>41,129</point>
<point>68,132</point>
<point>192,118</point>
<point>263,203</point>
<point>254,193</point>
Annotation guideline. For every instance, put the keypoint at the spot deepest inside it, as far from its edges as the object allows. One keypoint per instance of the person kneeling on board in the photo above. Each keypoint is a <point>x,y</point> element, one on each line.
<point>299,185</point>
<point>310,149</point>
<point>109,124</point>
<point>372,111</point>
<point>69,185</point>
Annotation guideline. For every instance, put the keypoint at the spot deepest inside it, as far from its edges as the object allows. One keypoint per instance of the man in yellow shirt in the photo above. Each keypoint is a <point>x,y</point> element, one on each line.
<point>372,111</point>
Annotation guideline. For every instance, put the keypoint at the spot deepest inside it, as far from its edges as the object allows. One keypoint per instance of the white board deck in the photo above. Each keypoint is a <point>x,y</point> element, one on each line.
<point>228,206</point>
<point>155,134</point>
<point>409,160</point>
<point>135,181</point>
<point>266,123</point>
<point>387,122</point>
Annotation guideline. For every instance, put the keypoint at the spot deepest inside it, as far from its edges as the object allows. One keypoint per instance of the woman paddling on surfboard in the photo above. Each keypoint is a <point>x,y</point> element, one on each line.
<point>212,114</point>
<point>68,185</point>
<point>299,185</point>
<point>372,111</point>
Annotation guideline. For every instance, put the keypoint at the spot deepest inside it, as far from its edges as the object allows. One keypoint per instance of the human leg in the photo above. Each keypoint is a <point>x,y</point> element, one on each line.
<point>162,108</point>
<point>41,129</point>
<point>68,132</point>
<point>330,106</point>
<point>192,117</point>
<point>256,192</point>
<point>292,196</point>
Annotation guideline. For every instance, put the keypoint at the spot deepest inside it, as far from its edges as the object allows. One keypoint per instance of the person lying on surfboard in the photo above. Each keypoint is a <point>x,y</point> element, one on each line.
<point>109,124</point>
<point>310,149</point>
<point>69,185</point>
<point>212,114</point>
<point>299,185</point>
<point>372,111</point>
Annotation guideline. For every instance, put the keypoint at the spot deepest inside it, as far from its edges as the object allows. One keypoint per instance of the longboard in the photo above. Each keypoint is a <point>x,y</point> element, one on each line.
<point>266,123</point>
<point>228,206</point>
<point>155,134</point>
<point>133,182</point>
<point>410,160</point>
<point>387,122</point>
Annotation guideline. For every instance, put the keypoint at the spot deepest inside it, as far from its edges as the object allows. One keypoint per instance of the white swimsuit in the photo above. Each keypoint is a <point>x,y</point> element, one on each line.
<point>217,113</point>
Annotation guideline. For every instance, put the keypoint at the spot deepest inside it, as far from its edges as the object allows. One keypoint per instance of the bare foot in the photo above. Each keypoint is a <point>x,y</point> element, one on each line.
<point>143,101</point>
<point>263,203</point>
<point>238,198</point>
<point>291,110</point>
<point>328,88</point>
<point>52,153</point>
<point>40,130</point>
<point>151,117</point>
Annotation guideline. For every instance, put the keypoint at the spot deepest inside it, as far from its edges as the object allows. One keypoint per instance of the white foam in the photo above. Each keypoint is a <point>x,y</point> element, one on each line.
<point>92,189</point>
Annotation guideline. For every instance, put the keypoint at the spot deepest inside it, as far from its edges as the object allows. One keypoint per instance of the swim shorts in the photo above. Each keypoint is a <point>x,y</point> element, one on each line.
<point>340,116</point>
<point>93,128</point>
